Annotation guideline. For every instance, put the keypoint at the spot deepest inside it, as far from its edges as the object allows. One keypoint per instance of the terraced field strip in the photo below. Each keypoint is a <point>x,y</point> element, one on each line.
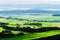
<point>34,36</point>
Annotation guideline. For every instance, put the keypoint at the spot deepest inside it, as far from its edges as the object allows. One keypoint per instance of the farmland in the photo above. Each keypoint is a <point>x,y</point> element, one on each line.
<point>29,27</point>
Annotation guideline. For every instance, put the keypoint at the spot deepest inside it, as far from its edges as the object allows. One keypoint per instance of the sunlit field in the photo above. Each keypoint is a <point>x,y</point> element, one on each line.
<point>28,27</point>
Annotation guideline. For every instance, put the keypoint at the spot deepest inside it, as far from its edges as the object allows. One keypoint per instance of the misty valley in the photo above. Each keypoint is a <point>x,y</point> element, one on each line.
<point>29,25</point>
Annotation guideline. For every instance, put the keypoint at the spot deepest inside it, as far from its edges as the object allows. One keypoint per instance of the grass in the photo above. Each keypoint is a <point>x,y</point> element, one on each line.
<point>12,23</point>
<point>1,29</point>
<point>28,36</point>
<point>34,36</point>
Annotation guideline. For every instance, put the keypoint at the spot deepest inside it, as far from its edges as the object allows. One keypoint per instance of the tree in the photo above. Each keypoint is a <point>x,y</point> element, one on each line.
<point>17,25</point>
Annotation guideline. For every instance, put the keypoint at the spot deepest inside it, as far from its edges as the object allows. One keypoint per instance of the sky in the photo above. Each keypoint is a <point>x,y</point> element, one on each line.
<point>6,4</point>
<point>29,1</point>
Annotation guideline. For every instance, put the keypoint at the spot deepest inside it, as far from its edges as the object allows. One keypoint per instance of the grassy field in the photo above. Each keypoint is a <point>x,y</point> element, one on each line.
<point>34,36</point>
<point>32,23</point>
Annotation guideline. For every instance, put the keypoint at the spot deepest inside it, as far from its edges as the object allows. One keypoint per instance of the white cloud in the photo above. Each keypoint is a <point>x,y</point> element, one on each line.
<point>13,8</point>
<point>50,9</point>
<point>19,8</point>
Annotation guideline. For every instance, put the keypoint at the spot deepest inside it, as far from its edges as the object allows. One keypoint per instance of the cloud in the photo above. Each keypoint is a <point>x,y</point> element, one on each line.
<point>50,9</point>
<point>19,8</point>
<point>7,4</point>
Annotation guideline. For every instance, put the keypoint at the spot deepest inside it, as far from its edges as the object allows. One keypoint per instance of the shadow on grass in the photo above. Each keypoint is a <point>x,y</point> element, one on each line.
<point>31,30</point>
<point>8,35</point>
<point>28,29</point>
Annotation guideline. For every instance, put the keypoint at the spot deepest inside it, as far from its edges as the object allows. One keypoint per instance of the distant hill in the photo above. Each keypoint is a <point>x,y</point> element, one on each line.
<point>32,11</point>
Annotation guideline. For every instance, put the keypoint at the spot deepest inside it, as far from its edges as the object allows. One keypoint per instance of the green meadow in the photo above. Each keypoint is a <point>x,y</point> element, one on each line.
<point>31,22</point>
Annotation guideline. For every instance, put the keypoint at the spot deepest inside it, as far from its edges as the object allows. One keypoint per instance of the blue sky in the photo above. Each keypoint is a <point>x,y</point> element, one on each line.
<point>6,4</point>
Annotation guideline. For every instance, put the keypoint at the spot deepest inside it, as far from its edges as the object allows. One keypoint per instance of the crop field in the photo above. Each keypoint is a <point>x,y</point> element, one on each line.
<point>29,28</point>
